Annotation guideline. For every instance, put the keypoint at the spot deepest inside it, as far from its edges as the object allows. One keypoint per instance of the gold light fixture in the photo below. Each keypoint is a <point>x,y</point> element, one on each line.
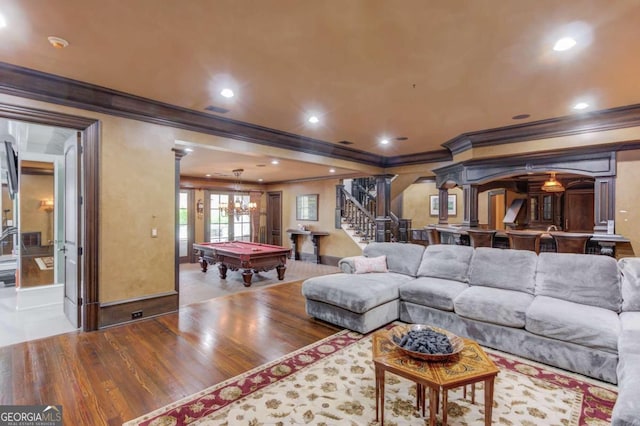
<point>552,185</point>
<point>238,207</point>
<point>46,205</point>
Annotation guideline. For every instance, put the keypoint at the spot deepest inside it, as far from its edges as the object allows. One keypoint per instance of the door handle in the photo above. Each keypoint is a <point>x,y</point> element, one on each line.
<point>63,249</point>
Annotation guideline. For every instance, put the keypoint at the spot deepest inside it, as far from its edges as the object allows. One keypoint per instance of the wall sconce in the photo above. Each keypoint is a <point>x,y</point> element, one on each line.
<point>200,208</point>
<point>46,205</point>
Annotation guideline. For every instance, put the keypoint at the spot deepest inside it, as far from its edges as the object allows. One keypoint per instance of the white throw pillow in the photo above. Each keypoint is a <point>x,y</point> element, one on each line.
<point>365,265</point>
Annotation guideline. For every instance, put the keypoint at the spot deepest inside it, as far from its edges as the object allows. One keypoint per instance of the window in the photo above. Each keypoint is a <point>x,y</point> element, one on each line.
<point>242,222</point>
<point>218,221</point>
<point>226,223</point>
<point>183,222</point>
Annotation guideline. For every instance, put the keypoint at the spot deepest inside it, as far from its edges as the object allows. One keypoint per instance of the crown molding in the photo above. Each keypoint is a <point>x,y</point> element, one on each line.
<point>28,83</point>
<point>596,121</point>
<point>41,86</point>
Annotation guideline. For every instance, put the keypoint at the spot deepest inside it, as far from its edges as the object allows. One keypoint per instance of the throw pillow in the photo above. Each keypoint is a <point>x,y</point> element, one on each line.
<point>365,265</point>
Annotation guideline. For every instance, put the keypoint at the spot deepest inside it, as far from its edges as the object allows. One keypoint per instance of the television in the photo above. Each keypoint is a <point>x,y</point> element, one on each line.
<point>11,165</point>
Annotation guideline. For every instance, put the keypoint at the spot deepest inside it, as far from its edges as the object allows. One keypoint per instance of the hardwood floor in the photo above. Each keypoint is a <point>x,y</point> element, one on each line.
<point>117,374</point>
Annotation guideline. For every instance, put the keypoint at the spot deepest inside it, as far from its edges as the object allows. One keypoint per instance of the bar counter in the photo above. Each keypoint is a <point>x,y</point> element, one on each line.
<point>599,243</point>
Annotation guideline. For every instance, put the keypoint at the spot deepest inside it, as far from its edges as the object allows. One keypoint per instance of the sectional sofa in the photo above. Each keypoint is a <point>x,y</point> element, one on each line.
<point>577,312</point>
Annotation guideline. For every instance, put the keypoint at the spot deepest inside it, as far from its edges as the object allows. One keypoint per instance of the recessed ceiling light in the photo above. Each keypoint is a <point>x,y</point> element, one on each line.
<point>384,141</point>
<point>275,162</point>
<point>3,21</point>
<point>207,175</point>
<point>260,180</point>
<point>332,170</point>
<point>57,42</point>
<point>581,105</point>
<point>565,43</point>
<point>227,93</point>
<point>313,119</point>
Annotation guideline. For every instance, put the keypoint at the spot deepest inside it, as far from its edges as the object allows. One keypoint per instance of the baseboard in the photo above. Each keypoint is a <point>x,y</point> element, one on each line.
<point>39,296</point>
<point>123,311</point>
<point>324,260</point>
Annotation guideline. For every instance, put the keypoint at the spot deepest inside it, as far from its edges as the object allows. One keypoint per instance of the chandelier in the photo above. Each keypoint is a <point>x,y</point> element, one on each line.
<point>552,185</point>
<point>238,207</point>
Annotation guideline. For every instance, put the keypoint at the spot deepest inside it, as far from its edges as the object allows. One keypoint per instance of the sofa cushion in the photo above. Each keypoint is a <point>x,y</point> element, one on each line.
<point>401,258</point>
<point>630,321</point>
<point>449,262</point>
<point>356,294</point>
<point>581,278</point>
<point>494,305</point>
<point>433,292</point>
<point>507,269</point>
<point>630,269</point>
<point>365,265</point>
<point>626,412</point>
<point>585,325</point>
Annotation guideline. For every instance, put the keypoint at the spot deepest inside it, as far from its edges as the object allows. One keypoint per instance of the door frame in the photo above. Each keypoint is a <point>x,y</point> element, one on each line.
<point>89,197</point>
<point>490,210</point>
<point>191,226</point>
<point>269,216</point>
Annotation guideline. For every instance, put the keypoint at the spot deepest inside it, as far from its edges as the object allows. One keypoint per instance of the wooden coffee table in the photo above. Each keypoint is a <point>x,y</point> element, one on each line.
<point>471,366</point>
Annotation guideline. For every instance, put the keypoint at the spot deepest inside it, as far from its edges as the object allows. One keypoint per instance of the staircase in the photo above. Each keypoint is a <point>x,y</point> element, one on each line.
<point>358,213</point>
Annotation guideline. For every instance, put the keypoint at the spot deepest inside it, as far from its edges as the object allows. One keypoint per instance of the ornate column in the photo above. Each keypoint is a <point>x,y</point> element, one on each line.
<point>383,207</point>
<point>604,206</point>
<point>339,206</point>
<point>443,206</point>
<point>470,201</point>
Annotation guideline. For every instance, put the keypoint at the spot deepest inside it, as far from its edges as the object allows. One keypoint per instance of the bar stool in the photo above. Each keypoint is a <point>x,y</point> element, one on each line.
<point>433,235</point>
<point>524,240</point>
<point>481,238</point>
<point>567,242</point>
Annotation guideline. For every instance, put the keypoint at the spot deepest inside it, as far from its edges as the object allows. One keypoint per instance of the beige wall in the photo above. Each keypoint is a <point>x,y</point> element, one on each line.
<point>137,194</point>
<point>415,204</point>
<point>337,243</point>
<point>627,218</point>
<point>33,189</point>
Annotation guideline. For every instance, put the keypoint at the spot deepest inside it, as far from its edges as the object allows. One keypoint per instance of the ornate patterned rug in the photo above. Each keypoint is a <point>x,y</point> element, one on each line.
<point>332,382</point>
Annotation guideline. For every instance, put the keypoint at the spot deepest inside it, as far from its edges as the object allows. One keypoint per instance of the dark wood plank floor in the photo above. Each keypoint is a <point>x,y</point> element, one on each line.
<point>117,374</point>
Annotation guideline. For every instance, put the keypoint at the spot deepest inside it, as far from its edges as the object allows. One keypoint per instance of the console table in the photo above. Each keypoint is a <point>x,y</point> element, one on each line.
<point>315,239</point>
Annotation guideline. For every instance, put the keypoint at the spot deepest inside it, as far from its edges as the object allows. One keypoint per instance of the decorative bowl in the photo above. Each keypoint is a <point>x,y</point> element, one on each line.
<point>400,331</point>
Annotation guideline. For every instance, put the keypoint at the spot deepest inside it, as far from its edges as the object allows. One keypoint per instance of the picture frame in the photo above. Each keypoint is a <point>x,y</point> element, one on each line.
<point>452,205</point>
<point>307,207</point>
<point>434,205</point>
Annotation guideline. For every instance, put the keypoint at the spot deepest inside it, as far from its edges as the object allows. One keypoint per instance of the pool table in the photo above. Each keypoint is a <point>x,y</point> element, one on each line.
<point>250,257</point>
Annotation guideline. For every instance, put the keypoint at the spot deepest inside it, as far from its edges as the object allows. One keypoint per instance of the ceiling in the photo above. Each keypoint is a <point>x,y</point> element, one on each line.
<point>424,70</point>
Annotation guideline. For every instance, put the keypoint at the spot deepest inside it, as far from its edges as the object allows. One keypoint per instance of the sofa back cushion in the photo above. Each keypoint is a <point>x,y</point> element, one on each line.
<point>401,258</point>
<point>581,278</point>
<point>630,269</point>
<point>506,269</point>
<point>449,262</point>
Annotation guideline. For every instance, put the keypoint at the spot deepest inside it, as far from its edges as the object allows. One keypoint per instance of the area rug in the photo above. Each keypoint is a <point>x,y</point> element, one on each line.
<point>332,383</point>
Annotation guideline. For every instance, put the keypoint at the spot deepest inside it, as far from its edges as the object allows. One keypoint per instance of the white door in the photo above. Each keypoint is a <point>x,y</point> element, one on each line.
<point>71,247</point>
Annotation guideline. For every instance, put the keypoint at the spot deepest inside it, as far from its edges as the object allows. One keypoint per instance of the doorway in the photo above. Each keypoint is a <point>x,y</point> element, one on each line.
<point>86,191</point>
<point>274,218</point>
<point>497,209</point>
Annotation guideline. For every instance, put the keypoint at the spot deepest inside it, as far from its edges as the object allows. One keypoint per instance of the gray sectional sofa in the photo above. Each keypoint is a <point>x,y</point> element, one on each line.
<point>577,312</point>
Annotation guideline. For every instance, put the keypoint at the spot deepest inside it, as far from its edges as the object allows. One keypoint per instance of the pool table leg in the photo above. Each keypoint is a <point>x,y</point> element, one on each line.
<point>203,262</point>
<point>222,268</point>
<point>281,269</point>
<point>246,277</point>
